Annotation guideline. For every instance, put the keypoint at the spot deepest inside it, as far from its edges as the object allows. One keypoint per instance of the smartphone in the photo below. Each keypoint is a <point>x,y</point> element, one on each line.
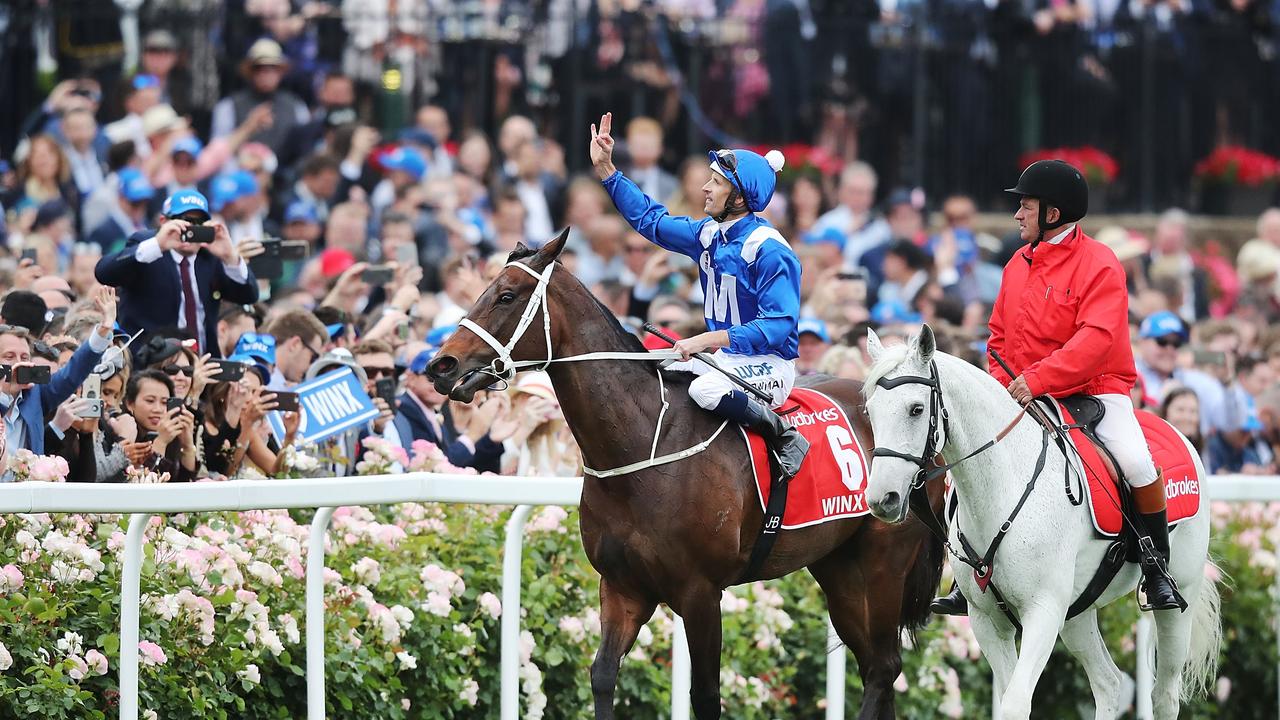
<point>294,250</point>
<point>150,436</point>
<point>377,275</point>
<point>34,374</point>
<point>268,265</point>
<point>407,255</point>
<point>201,234</point>
<point>28,254</point>
<point>92,390</point>
<point>385,388</point>
<point>228,371</point>
<point>286,401</point>
<point>173,403</point>
<point>402,330</point>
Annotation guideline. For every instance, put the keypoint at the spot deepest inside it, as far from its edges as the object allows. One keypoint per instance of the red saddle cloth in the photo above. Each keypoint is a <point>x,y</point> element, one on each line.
<point>833,478</point>
<point>1168,451</point>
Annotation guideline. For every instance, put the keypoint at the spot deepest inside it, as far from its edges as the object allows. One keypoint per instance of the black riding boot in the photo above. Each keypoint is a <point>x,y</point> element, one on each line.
<point>953,603</point>
<point>783,440</point>
<point>1156,584</point>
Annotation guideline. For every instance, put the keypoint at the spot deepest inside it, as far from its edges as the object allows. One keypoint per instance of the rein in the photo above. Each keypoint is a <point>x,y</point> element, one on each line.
<point>939,418</point>
<point>503,368</point>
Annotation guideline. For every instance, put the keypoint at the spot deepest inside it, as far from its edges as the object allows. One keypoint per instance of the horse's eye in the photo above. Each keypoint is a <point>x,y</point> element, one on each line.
<point>917,410</point>
<point>507,298</point>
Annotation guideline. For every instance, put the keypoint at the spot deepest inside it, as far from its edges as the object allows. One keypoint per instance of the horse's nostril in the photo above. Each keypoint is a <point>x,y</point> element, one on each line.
<point>891,500</point>
<point>442,366</point>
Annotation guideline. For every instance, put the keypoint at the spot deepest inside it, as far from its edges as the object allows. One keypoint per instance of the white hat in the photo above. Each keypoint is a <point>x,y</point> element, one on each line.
<point>536,383</point>
<point>161,118</point>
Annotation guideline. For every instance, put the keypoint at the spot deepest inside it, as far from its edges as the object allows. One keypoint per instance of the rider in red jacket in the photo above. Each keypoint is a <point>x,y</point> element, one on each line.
<point>1061,322</point>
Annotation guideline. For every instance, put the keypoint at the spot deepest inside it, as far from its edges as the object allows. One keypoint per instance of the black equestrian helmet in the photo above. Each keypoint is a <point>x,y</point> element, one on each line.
<point>1058,184</point>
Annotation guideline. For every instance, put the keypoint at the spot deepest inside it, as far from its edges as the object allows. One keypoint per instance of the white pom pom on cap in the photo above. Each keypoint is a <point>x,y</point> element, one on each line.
<point>775,159</point>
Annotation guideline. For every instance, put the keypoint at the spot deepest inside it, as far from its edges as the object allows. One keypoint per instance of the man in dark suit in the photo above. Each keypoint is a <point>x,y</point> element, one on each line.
<point>419,412</point>
<point>24,406</point>
<point>166,281</point>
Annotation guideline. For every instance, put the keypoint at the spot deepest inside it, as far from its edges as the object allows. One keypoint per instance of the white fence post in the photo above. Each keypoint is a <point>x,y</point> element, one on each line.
<point>130,591</point>
<point>681,672</point>
<point>837,658</point>
<point>1144,650</point>
<point>315,614</point>
<point>511,556</point>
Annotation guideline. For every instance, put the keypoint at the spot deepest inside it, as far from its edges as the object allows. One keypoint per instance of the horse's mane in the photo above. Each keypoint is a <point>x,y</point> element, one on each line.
<point>893,356</point>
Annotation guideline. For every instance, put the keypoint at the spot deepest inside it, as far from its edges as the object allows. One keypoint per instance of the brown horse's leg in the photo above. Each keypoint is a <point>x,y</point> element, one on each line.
<point>621,617</point>
<point>864,597</point>
<point>700,609</point>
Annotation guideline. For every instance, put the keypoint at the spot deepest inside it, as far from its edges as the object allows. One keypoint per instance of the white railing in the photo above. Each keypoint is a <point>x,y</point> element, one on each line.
<point>325,494</point>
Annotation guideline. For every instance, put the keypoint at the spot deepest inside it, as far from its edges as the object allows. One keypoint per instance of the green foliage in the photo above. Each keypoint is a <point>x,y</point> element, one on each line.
<point>412,627</point>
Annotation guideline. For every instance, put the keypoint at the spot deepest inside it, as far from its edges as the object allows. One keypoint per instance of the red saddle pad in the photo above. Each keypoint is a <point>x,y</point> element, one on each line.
<point>832,481</point>
<point>1168,451</point>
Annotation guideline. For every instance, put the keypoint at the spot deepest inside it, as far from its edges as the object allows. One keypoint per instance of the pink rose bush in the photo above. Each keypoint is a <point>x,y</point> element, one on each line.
<point>29,467</point>
<point>412,613</point>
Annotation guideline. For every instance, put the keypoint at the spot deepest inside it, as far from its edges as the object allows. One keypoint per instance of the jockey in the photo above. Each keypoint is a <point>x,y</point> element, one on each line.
<point>750,282</point>
<point>1061,321</point>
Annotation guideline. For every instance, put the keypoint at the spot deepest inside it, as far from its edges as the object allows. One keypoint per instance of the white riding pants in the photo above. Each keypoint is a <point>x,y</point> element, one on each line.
<point>1120,432</point>
<point>769,373</point>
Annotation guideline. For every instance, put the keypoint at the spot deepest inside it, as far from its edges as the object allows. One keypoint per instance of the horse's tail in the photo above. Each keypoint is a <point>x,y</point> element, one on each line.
<point>1201,669</point>
<point>921,585</point>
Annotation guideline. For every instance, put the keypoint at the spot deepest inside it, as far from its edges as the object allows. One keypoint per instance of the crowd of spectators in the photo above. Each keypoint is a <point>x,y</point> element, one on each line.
<point>335,242</point>
<point>944,95</point>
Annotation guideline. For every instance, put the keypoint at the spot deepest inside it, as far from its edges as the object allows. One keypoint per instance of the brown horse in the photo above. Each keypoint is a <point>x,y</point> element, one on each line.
<point>680,533</point>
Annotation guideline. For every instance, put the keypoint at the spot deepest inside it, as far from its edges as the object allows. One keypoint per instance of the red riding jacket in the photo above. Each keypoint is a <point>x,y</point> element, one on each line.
<point>1062,320</point>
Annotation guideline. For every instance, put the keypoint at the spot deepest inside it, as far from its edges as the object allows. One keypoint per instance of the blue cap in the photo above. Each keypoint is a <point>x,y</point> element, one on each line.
<point>299,211</point>
<point>5,167</point>
<point>134,186</point>
<point>437,336</point>
<point>335,330</point>
<point>759,175</point>
<point>258,346</point>
<point>190,145</point>
<point>224,190</point>
<point>418,136</point>
<point>406,159</point>
<point>246,182</point>
<point>183,201</point>
<point>1163,323</point>
<point>891,312</point>
<point>142,82</point>
<point>813,326</point>
<point>418,365</point>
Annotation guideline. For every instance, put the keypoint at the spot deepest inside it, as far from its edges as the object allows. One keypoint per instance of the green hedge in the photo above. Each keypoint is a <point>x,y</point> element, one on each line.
<point>412,626</point>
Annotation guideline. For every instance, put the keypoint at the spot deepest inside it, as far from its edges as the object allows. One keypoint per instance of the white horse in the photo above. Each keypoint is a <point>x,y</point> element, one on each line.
<point>1050,551</point>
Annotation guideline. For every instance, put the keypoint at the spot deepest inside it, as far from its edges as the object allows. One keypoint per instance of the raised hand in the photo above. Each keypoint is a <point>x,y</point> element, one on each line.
<point>602,147</point>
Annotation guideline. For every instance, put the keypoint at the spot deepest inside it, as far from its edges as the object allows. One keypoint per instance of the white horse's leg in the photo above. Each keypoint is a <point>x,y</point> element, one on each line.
<point>1082,638</point>
<point>1040,626</point>
<point>996,638</point>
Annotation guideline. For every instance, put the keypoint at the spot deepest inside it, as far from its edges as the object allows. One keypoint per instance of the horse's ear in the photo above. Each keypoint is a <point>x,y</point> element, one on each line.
<point>551,250</point>
<point>925,344</point>
<point>874,348</point>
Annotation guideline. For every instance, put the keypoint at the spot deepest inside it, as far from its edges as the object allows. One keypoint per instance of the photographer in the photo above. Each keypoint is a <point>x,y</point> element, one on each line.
<point>26,404</point>
<point>166,432</point>
<point>179,276</point>
<point>233,428</point>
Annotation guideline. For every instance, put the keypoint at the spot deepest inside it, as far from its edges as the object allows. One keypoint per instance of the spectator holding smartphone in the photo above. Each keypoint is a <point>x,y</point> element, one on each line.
<point>25,405</point>
<point>177,277</point>
<point>166,433</point>
<point>234,430</point>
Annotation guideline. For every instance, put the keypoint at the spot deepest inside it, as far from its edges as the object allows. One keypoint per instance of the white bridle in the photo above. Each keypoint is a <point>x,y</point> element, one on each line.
<point>504,368</point>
